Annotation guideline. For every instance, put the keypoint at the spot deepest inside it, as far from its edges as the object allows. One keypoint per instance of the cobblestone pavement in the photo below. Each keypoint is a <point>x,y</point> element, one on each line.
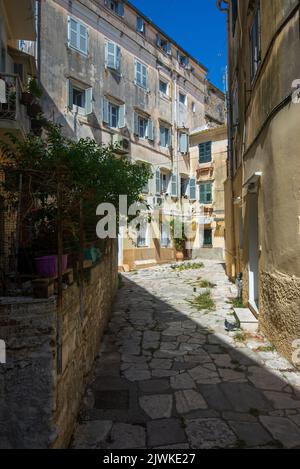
<point>169,376</point>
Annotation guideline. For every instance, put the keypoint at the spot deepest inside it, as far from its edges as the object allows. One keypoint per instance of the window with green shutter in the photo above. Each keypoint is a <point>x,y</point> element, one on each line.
<point>205,155</point>
<point>205,192</point>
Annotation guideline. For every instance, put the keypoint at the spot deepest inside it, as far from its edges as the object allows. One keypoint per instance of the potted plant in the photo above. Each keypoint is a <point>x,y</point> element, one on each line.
<point>179,238</point>
<point>33,91</point>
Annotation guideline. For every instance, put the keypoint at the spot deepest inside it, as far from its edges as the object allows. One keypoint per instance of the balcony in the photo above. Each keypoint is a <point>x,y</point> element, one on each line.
<point>13,114</point>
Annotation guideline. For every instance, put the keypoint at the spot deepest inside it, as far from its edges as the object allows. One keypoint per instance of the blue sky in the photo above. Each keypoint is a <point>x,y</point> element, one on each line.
<point>197,25</point>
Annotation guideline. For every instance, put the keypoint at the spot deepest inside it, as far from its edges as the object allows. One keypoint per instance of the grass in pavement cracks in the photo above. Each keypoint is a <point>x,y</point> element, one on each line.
<point>204,302</point>
<point>189,266</point>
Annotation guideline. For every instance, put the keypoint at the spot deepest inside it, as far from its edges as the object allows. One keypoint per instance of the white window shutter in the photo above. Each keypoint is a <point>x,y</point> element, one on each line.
<point>105,110</point>
<point>111,55</point>
<point>174,185</point>
<point>169,48</point>
<point>158,40</point>
<point>188,188</point>
<point>69,31</point>
<point>118,58</point>
<point>122,116</point>
<point>157,181</point>
<point>70,94</point>
<point>184,143</point>
<point>150,130</point>
<point>135,123</point>
<point>89,101</point>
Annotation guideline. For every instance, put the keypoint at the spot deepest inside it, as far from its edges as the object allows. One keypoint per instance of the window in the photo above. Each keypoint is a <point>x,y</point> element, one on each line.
<point>115,6</point>
<point>163,44</point>
<point>184,187</point>
<point>140,25</point>
<point>165,136</point>
<point>78,36</point>
<point>80,99</point>
<point>194,108</point>
<point>142,234</point>
<point>141,74</point>
<point>143,127</point>
<point>183,60</point>
<point>174,185</point>
<point>207,238</point>
<point>205,192</point>
<point>183,143</point>
<point>165,235</point>
<point>113,114</point>
<point>205,152</point>
<point>165,179</point>
<point>182,99</point>
<point>164,87</point>
<point>113,56</point>
<point>255,44</point>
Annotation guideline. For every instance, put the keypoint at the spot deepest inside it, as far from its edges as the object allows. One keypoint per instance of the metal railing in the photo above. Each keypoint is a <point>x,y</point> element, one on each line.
<point>11,108</point>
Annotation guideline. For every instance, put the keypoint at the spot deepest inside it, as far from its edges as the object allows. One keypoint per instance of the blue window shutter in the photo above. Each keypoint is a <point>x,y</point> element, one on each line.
<point>89,101</point>
<point>73,33</point>
<point>150,130</point>
<point>83,39</point>
<point>105,110</point>
<point>121,9</point>
<point>111,55</point>
<point>174,185</point>
<point>169,142</point>
<point>157,181</point>
<point>70,94</point>
<point>158,40</point>
<point>122,116</point>
<point>135,123</point>
<point>192,189</point>
<point>118,58</point>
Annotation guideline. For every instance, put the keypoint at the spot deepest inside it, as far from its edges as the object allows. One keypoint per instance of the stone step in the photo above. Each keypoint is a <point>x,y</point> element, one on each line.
<point>246,319</point>
<point>143,264</point>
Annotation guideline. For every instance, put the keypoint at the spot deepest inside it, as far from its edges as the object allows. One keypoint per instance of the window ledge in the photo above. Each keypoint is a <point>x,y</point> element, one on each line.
<point>69,46</point>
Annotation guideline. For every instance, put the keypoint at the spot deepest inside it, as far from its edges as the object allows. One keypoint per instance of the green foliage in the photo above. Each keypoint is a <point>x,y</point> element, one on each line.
<point>204,302</point>
<point>35,89</point>
<point>237,303</point>
<point>82,171</point>
<point>187,266</point>
<point>178,234</point>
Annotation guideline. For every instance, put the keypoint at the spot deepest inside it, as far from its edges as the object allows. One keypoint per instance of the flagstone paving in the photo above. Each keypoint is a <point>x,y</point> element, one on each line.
<point>169,376</point>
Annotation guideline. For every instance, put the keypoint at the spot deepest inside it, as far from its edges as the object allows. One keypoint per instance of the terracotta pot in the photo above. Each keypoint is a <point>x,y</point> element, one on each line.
<point>179,256</point>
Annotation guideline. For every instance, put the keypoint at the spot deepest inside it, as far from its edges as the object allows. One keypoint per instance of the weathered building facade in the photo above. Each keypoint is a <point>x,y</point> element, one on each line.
<point>17,65</point>
<point>209,156</point>
<point>262,189</point>
<point>117,78</point>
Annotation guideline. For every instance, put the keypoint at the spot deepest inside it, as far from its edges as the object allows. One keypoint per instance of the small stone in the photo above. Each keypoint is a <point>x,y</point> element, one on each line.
<point>282,401</point>
<point>157,406</point>
<point>253,434</point>
<point>189,400</point>
<point>204,375</point>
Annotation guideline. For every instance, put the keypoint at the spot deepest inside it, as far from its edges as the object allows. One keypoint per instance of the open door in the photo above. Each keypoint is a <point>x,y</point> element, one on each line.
<point>253,251</point>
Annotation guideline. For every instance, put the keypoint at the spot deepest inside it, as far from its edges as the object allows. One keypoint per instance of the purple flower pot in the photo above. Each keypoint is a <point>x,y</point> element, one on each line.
<point>46,266</point>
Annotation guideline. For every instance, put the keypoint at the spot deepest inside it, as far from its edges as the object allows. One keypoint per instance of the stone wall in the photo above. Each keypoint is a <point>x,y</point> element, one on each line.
<point>39,402</point>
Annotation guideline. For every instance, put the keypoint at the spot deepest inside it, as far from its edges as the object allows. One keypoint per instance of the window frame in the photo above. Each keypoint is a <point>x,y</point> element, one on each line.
<point>87,91</point>
<point>203,147</point>
<point>143,73</point>
<point>205,192</point>
<point>79,24</point>
<point>167,139</point>
<point>167,84</point>
<point>116,56</point>
<point>181,94</point>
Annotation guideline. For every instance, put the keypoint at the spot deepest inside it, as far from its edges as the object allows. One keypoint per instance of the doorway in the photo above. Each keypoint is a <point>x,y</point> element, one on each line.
<point>253,251</point>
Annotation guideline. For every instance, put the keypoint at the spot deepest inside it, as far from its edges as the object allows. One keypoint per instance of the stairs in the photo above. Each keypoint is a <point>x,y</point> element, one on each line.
<point>246,320</point>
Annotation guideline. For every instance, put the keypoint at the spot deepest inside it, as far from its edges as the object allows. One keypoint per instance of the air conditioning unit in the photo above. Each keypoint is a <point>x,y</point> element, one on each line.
<point>122,144</point>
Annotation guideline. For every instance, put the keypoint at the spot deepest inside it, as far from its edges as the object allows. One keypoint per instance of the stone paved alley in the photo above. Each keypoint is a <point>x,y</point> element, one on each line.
<point>169,376</point>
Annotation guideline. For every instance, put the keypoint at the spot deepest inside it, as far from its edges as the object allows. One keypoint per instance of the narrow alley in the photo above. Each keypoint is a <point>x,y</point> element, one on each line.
<point>169,376</point>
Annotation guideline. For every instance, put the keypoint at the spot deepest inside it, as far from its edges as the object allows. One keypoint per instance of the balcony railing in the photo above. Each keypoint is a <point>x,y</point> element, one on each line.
<point>29,47</point>
<point>12,112</point>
